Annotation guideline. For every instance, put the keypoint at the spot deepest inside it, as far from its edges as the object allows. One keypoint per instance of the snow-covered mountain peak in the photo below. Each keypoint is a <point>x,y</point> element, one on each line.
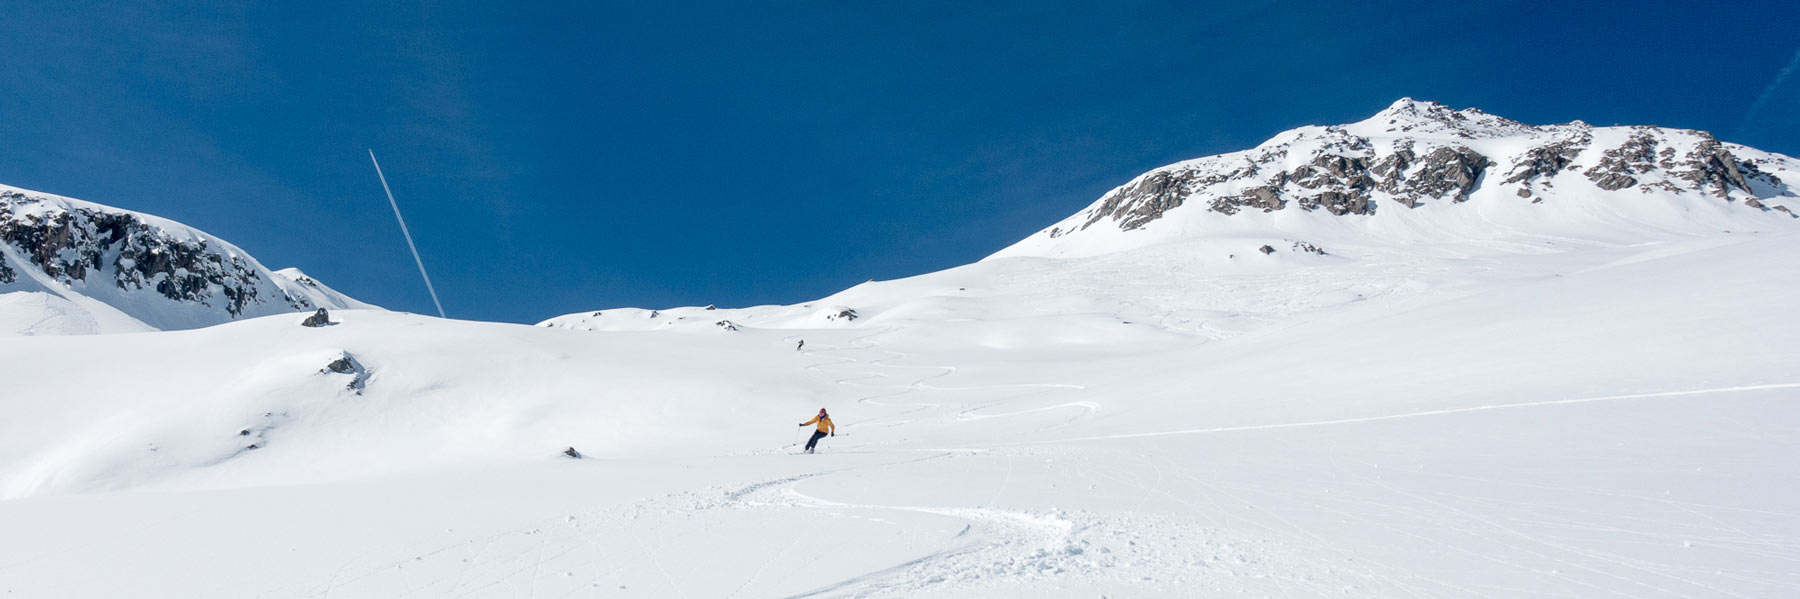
<point>69,266</point>
<point>1415,111</point>
<point>1407,117</point>
<point>308,291</point>
<point>1420,172</point>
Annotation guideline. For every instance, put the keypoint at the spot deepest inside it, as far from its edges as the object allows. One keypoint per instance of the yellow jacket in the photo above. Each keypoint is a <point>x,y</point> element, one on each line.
<point>825,425</point>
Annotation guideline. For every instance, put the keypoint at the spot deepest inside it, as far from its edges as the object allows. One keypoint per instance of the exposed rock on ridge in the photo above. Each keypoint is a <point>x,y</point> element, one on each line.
<point>69,245</point>
<point>1416,153</point>
<point>158,271</point>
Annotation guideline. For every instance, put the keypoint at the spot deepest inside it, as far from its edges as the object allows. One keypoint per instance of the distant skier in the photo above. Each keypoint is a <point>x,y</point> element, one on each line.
<point>825,428</point>
<point>801,346</point>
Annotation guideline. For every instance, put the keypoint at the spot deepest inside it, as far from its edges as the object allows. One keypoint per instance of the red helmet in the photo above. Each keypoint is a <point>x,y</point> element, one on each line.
<point>821,411</point>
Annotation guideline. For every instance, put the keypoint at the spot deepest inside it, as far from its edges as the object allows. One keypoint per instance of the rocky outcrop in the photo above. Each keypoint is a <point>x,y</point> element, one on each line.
<point>1754,173</point>
<point>1339,202</point>
<point>1447,170</point>
<point>1345,174</point>
<point>1146,199</point>
<point>1416,153</point>
<point>342,365</point>
<point>1301,246</point>
<point>159,272</point>
<point>1342,184</point>
<point>1647,162</point>
<point>1618,165</point>
<point>1265,198</point>
<point>1712,167</point>
<point>346,364</point>
<point>1540,163</point>
<point>317,319</point>
<point>256,436</point>
<point>77,244</point>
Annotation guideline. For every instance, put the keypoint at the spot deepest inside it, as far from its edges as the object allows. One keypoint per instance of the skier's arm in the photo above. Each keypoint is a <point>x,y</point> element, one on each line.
<point>809,422</point>
<point>831,427</point>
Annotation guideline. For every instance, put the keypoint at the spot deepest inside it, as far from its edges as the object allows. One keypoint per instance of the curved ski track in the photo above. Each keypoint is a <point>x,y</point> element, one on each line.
<point>1005,546</point>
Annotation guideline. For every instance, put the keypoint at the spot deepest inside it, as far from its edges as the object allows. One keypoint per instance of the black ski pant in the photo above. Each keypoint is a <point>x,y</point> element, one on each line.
<point>815,439</point>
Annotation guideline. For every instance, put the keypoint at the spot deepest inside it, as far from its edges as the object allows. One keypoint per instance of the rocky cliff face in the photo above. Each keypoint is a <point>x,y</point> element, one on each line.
<point>92,246</point>
<point>1416,154</point>
<point>159,272</point>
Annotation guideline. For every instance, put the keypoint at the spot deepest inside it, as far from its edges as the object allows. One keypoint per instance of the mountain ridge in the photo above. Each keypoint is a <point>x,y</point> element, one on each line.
<point>1414,154</point>
<point>84,268</point>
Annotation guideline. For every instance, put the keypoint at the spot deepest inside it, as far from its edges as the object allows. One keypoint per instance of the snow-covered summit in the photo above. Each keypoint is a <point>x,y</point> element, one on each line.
<point>1407,116</point>
<point>308,291</point>
<point>69,266</point>
<point>1420,171</point>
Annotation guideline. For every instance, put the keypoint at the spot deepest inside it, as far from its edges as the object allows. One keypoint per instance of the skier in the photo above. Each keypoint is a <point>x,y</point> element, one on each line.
<point>801,346</point>
<point>825,428</point>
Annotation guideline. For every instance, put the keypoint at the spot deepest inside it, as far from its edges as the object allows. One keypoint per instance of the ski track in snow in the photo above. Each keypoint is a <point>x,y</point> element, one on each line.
<point>1010,546</point>
<point>1275,544</point>
<point>994,545</point>
<point>1531,404</point>
<point>998,546</point>
<point>917,386</point>
<point>1001,545</point>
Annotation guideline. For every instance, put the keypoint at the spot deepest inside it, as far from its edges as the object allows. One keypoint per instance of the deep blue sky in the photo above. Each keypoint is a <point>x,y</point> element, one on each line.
<point>657,154</point>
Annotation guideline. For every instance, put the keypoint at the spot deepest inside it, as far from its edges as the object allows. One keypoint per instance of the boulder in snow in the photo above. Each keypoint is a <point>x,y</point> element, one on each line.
<point>837,314</point>
<point>347,364</point>
<point>1301,246</point>
<point>318,319</point>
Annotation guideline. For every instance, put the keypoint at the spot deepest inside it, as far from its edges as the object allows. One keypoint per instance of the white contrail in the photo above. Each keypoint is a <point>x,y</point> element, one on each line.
<point>1768,92</point>
<point>408,234</point>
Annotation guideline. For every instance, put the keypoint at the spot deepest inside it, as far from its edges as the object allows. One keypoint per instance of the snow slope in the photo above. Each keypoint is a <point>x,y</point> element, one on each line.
<point>1597,421</point>
<point>69,267</point>
<point>1589,396</point>
<point>307,291</point>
